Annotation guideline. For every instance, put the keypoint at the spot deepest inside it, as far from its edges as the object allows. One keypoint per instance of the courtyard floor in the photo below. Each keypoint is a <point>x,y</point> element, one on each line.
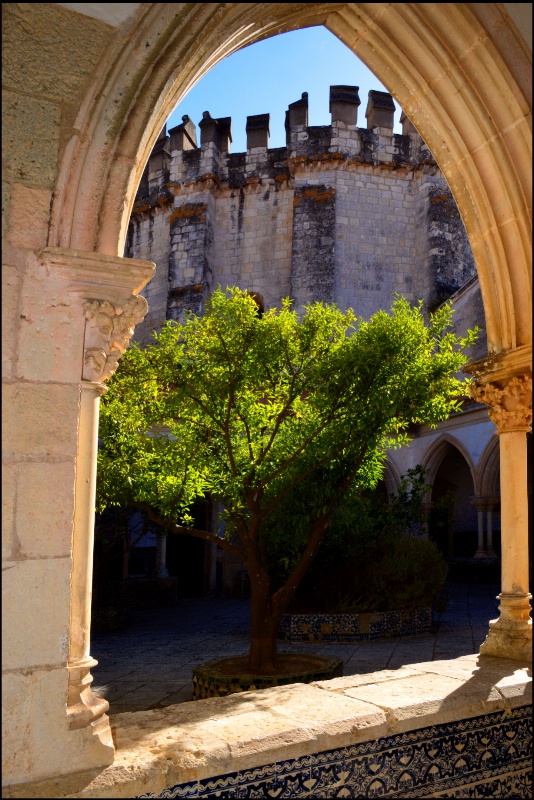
<point>149,664</point>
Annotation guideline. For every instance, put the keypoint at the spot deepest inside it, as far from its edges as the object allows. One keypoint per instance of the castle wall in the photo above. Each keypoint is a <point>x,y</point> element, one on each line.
<point>345,214</point>
<point>252,239</point>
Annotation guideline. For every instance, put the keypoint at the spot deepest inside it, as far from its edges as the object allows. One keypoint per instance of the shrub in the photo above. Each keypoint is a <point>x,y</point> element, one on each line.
<point>374,557</point>
<point>399,574</point>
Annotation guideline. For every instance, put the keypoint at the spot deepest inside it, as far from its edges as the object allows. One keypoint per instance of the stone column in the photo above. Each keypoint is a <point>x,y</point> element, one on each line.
<point>102,289</point>
<point>427,510</point>
<point>491,502</point>
<point>108,330</point>
<point>83,705</point>
<point>160,568</point>
<point>64,358</point>
<point>509,399</point>
<point>480,505</point>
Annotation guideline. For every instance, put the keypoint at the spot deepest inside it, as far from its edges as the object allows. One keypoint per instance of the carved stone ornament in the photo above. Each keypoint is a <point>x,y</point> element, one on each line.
<point>509,405</point>
<point>108,330</point>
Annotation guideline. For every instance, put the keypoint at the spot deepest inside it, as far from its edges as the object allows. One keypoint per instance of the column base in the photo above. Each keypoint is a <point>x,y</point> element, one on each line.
<point>84,706</point>
<point>480,554</point>
<point>162,572</point>
<point>510,635</point>
<point>34,703</point>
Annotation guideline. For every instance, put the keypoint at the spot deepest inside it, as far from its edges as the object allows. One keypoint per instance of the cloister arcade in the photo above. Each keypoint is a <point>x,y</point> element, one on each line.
<point>86,97</point>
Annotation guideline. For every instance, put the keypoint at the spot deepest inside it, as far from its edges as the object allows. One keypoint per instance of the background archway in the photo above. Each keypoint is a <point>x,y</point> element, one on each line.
<point>453,520</point>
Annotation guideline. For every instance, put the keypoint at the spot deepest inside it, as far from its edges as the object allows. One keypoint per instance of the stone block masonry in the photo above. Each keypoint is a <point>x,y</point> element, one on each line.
<point>312,261</point>
<point>344,214</point>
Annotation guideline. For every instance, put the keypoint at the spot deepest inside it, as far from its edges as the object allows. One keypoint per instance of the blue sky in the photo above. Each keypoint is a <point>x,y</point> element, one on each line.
<point>265,77</point>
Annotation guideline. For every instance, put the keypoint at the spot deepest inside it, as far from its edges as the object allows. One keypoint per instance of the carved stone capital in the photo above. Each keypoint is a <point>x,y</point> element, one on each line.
<point>108,329</point>
<point>491,502</point>
<point>487,503</point>
<point>479,503</point>
<point>508,401</point>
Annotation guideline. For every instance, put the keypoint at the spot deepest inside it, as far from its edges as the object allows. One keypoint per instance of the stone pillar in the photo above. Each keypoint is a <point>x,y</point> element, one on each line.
<point>480,505</point>
<point>160,568</point>
<point>427,510</point>
<point>126,555</point>
<point>490,505</point>
<point>108,330</point>
<point>344,102</point>
<point>83,705</point>
<point>183,136</point>
<point>509,399</point>
<point>380,110</point>
<point>69,345</point>
<point>296,123</point>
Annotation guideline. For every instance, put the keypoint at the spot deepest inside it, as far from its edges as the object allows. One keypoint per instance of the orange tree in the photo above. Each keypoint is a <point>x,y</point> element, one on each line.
<point>275,416</point>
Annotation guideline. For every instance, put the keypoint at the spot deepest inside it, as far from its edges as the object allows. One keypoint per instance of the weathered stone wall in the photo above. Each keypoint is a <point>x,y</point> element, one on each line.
<point>312,264</point>
<point>345,214</point>
<point>43,79</point>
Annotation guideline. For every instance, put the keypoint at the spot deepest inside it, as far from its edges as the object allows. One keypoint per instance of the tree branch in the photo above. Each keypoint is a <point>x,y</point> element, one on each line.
<point>184,530</point>
<point>283,596</point>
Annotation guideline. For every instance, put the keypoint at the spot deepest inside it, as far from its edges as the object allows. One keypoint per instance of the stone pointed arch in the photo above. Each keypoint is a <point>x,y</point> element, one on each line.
<point>438,451</point>
<point>488,469</point>
<point>391,478</point>
<point>459,70</point>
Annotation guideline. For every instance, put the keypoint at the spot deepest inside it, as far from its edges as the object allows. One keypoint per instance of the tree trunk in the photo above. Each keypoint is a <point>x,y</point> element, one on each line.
<point>126,554</point>
<point>264,624</point>
<point>266,610</point>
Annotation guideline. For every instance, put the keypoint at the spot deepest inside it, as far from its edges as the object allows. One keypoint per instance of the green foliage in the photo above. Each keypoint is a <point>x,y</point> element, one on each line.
<point>362,521</point>
<point>372,557</point>
<point>276,417</point>
<point>402,574</point>
<point>440,520</point>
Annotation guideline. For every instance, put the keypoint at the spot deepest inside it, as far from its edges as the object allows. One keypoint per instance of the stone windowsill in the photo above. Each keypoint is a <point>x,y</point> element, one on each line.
<point>196,740</point>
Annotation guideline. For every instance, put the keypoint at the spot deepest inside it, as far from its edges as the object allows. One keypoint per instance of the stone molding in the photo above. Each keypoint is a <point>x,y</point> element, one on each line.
<point>90,275</point>
<point>107,287</point>
<point>501,366</point>
<point>508,403</point>
<point>301,165</point>
<point>483,503</point>
<point>108,330</point>
<point>83,705</point>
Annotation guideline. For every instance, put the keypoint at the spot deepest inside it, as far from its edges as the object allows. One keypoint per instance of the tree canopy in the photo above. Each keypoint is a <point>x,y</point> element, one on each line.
<point>276,416</point>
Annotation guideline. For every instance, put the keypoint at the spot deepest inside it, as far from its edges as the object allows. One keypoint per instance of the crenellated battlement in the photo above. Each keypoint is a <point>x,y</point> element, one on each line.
<point>341,213</point>
<point>182,158</point>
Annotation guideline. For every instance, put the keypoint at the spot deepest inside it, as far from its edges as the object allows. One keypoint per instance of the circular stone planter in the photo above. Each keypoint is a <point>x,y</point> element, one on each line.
<point>354,627</point>
<point>224,676</point>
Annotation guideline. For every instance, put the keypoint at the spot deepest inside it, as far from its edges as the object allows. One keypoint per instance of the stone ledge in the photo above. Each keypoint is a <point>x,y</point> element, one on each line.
<point>198,740</point>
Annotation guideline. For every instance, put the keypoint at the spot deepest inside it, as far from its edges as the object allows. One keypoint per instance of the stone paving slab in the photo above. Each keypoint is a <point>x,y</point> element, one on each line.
<point>149,665</point>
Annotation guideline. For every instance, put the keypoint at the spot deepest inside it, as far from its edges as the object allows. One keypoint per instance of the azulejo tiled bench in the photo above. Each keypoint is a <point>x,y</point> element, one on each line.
<point>453,728</point>
<point>354,627</point>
